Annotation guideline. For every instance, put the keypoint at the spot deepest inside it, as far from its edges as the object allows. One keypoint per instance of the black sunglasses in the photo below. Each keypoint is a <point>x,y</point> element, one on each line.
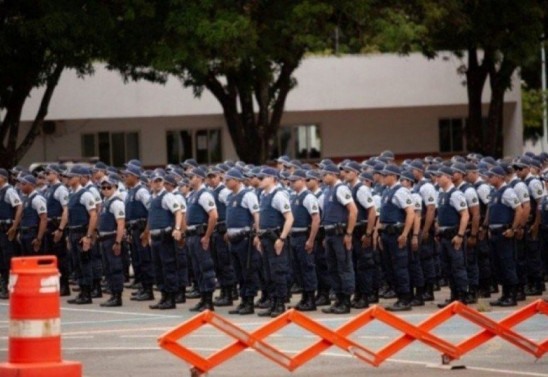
<point>106,187</point>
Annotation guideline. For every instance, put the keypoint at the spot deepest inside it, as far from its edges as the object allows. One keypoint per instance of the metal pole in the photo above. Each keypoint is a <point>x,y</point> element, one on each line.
<point>544,104</point>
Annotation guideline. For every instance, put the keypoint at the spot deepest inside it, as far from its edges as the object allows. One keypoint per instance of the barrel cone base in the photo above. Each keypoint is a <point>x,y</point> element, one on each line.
<point>61,369</point>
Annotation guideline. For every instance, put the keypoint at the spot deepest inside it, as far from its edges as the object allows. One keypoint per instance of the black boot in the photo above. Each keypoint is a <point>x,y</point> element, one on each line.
<point>64,288</point>
<point>96,291</point>
<point>336,304</point>
<point>263,302</point>
<point>180,297</point>
<point>533,289</point>
<point>322,299</point>
<point>4,293</point>
<point>194,293</point>
<point>198,307</point>
<point>268,311</point>
<point>373,298</point>
<point>208,302</point>
<point>169,302</point>
<point>307,304</point>
<point>510,298</point>
<point>428,294</point>
<point>450,300</point>
<point>248,307</point>
<point>402,304</point>
<point>83,298</point>
<point>279,307</point>
<point>146,295</point>
<point>341,305</point>
<point>225,299</point>
<point>484,289</point>
<point>521,296</point>
<point>389,293</point>
<point>360,301</point>
<point>237,309</point>
<point>472,296</point>
<point>418,299</point>
<point>163,299</point>
<point>502,298</point>
<point>114,301</point>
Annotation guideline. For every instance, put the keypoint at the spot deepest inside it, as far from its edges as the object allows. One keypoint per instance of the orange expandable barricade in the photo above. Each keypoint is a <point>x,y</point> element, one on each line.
<point>341,337</point>
<point>34,346</point>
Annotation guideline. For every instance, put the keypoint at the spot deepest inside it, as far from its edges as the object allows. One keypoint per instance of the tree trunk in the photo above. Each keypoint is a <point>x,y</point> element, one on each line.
<point>476,76</point>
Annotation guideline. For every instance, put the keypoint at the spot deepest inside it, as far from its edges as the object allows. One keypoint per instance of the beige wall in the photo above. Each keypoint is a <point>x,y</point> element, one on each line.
<point>344,133</point>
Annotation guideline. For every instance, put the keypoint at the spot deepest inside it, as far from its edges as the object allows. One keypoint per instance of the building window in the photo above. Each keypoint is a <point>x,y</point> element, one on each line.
<point>204,145</point>
<point>451,135</point>
<point>302,141</point>
<point>113,148</point>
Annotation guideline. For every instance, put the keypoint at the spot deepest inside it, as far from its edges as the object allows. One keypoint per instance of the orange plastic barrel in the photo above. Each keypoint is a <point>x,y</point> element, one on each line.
<point>35,323</point>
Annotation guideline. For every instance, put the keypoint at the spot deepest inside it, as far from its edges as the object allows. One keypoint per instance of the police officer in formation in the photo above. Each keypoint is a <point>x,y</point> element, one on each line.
<point>346,234</point>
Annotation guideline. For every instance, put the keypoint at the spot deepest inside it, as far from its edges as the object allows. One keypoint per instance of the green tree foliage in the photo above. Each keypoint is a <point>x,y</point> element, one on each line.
<point>532,103</point>
<point>38,40</point>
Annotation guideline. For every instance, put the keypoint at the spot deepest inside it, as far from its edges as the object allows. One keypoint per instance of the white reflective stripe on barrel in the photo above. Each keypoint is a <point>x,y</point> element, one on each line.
<point>35,328</point>
<point>50,284</point>
<point>12,282</point>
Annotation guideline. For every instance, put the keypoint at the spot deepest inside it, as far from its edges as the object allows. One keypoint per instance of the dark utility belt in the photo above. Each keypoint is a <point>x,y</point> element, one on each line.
<point>28,230</point>
<point>199,231</point>
<point>448,233</point>
<point>238,237</point>
<point>391,229</point>
<point>269,234</point>
<point>499,231</point>
<point>106,237</point>
<point>136,224</point>
<point>78,229</point>
<point>335,230</point>
<point>220,228</point>
<point>163,235</point>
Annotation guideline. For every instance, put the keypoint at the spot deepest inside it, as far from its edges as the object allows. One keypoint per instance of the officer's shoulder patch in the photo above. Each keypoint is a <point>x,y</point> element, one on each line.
<point>16,201</point>
<point>314,207</point>
<point>120,213</point>
<point>516,201</point>
<point>408,201</point>
<point>211,204</point>
<point>65,197</point>
<point>347,196</point>
<point>430,199</point>
<point>91,202</point>
<point>462,204</point>
<point>42,208</point>
<point>286,206</point>
<point>255,206</point>
<point>369,200</point>
<point>525,195</point>
<point>175,205</point>
<point>539,192</point>
<point>474,200</point>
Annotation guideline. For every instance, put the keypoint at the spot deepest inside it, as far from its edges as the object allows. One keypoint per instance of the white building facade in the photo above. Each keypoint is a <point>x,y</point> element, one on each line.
<point>342,107</point>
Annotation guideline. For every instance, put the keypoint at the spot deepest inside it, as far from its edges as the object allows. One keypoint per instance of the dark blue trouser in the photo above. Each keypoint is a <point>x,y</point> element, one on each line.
<point>202,264</point>
<point>320,260</point>
<point>6,253</point>
<point>426,255</point>
<point>181,255</point>
<point>483,254</point>
<point>399,259</point>
<point>366,272</point>
<point>82,259</point>
<point>224,270</point>
<point>25,241</point>
<point>142,258</point>
<point>453,264</point>
<point>504,252</point>
<point>533,258</point>
<point>275,269</point>
<point>416,274</point>
<point>521,261</point>
<point>543,235</point>
<point>165,266</point>
<point>304,263</point>
<point>472,268</point>
<point>96,261</point>
<point>114,266</point>
<point>387,268</point>
<point>339,265</point>
<point>246,266</point>
<point>58,249</point>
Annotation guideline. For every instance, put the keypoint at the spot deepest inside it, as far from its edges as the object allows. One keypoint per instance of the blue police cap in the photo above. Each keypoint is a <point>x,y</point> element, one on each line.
<point>295,164</point>
<point>496,171</point>
<point>507,167</point>
<point>489,160</point>
<point>417,164</point>
<point>459,167</point>
<point>56,168</point>
<point>77,171</point>
<point>408,175</point>
<point>253,172</point>
<point>391,170</point>
<point>324,162</point>
<point>313,174</point>
<point>330,169</point>
<point>389,155</point>
<point>536,162</point>
<point>99,166</point>
<point>268,172</point>
<point>458,159</point>
<point>470,166</point>
<point>379,167</point>
<point>171,179</point>
<point>297,174</point>
<point>366,176</point>
<point>283,159</point>
<point>522,162</point>
<point>111,179</point>
<point>134,162</point>
<point>353,166</point>
<point>189,163</point>
<point>28,178</point>
<point>445,170</point>
<point>199,172</point>
<point>132,170</point>
<point>234,173</point>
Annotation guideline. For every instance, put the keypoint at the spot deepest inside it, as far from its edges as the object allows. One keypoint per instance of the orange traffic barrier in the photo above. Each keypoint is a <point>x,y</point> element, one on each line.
<point>340,337</point>
<point>34,346</point>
